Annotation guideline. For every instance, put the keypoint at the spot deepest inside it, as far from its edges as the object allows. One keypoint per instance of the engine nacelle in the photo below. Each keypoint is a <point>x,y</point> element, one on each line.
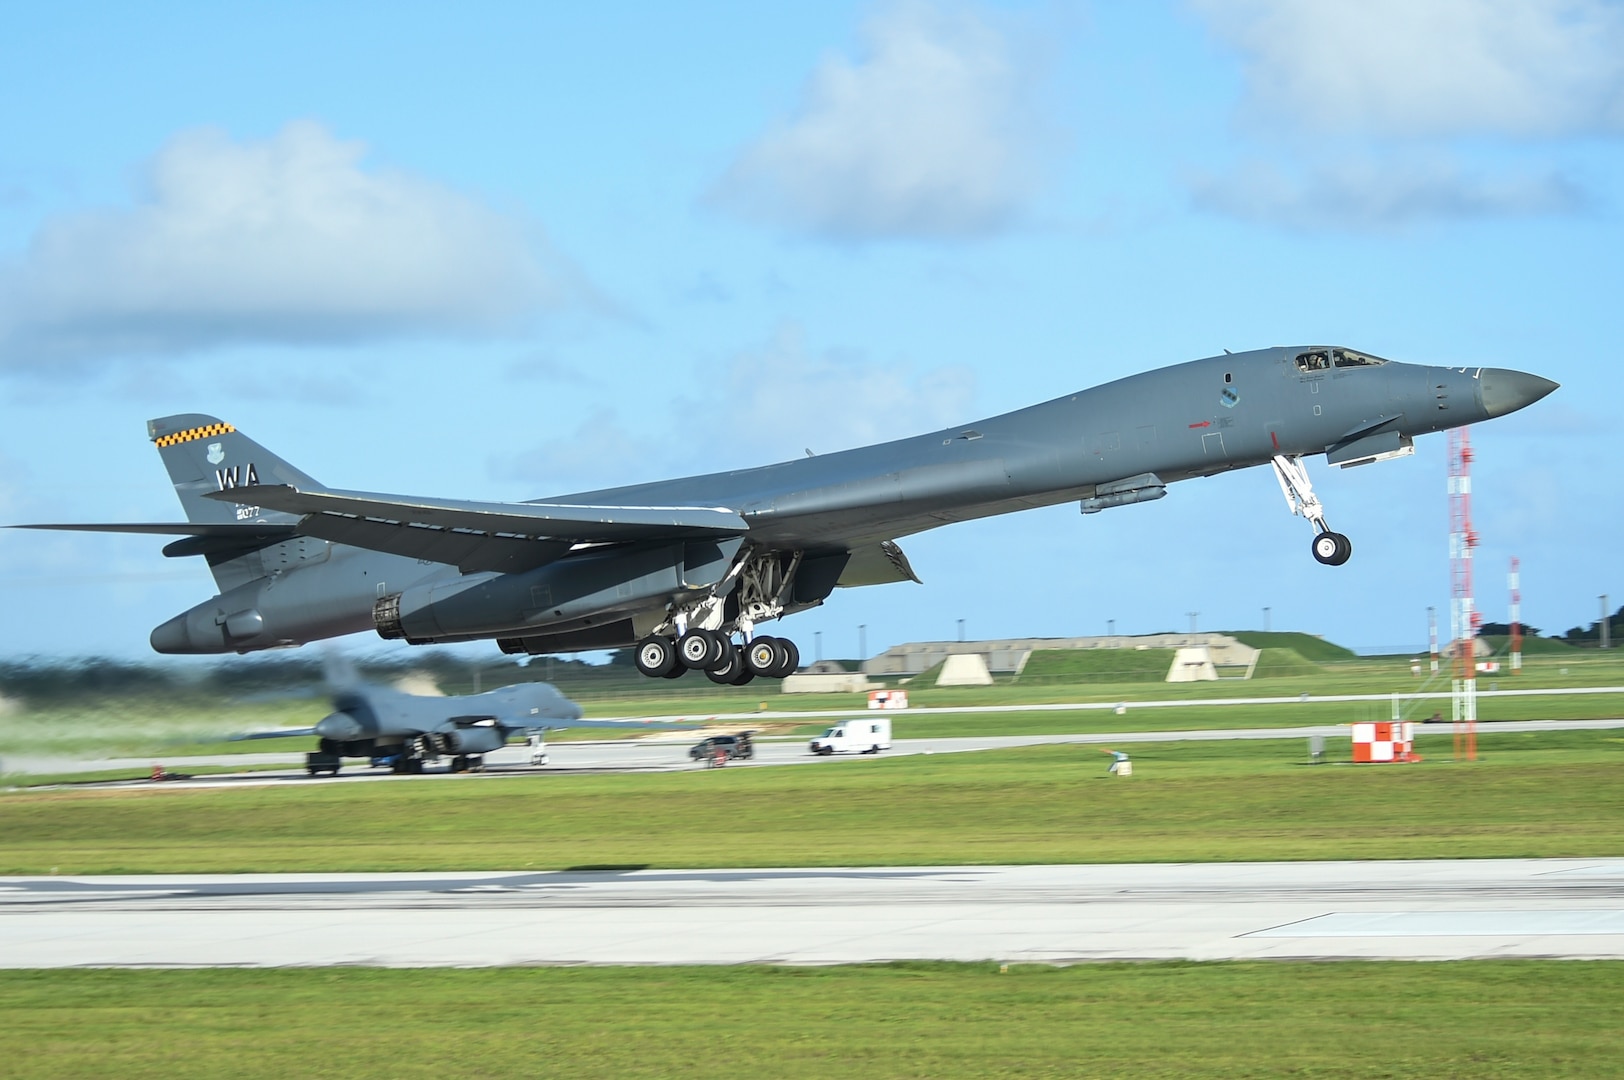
<point>230,622</point>
<point>474,739</point>
<point>605,585</point>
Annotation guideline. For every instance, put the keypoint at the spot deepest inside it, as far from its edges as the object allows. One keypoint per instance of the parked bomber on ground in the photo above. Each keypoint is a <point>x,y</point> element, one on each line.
<point>402,730</point>
<point>685,568</point>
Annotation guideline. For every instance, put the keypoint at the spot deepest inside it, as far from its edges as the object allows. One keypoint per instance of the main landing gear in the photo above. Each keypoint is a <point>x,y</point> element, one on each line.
<point>715,654</point>
<point>1330,548</point>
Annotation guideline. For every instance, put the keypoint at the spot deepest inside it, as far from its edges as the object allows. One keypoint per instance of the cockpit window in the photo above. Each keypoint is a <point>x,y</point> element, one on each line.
<point>1349,358</point>
<point>1317,360</point>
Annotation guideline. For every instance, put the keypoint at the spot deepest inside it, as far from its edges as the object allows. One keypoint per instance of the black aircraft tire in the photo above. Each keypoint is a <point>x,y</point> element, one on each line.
<point>677,671</point>
<point>697,650</point>
<point>1327,546</point>
<point>791,658</point>
<point>727,669</point>
<point>655,656</point>
<point>1347,550</point>
<point>762,656</point>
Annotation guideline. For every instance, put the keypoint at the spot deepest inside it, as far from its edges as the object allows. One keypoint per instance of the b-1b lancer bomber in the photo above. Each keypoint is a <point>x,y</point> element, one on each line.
<point>403,730</point>
<point>688,570</point>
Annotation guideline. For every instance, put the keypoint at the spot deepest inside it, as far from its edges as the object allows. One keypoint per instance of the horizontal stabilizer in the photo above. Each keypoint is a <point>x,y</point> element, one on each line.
<point>199,538</point>
<point>473,536</point>
<point>245,531</point>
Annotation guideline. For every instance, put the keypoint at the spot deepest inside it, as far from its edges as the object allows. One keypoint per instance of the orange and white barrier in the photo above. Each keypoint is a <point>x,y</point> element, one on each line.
<point>888,699</point>
<point>1385,740</point>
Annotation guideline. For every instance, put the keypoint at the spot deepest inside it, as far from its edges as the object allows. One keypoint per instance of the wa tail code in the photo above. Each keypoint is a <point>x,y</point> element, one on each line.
<point>236,476</point>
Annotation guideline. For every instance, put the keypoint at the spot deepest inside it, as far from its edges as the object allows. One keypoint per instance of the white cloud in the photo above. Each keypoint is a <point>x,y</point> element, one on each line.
<point>1431,67</point>
<point>600,452</point>
<point>287,240</point>
<point>1365,194</point>
<point>929,133</point>
<point>798,400</point>
<point>772,402</point>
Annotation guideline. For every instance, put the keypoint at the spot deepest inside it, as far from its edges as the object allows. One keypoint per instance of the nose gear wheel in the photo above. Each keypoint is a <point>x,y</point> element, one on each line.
<point>1330,548</point>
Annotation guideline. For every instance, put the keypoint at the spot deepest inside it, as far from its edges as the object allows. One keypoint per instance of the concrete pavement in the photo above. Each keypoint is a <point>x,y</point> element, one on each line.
<point>1421,910</point>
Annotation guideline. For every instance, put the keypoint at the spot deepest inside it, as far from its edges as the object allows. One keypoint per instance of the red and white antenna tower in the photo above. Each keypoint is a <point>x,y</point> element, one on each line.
<point>1463,616</point>
<point>1514,579</point>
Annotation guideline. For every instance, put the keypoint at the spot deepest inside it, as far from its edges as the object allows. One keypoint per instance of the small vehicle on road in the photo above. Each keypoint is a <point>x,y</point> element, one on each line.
<point>719,749</point>
<point>867,736</point>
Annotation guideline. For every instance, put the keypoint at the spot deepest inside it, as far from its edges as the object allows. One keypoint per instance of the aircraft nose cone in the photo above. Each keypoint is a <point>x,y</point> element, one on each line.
<point>339,726</point>
<point>1506,391</point>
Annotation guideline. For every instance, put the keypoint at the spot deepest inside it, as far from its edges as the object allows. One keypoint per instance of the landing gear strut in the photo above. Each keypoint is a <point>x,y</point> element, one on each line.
<point>699,635</point>
<point>1330,548</point>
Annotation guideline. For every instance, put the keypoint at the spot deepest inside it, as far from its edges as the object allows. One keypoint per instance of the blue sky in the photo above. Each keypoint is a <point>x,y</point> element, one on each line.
<point>513,251</point>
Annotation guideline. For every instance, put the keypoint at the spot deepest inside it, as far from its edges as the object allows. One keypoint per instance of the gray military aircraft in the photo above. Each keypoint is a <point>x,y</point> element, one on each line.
<point>402,730</point>
<point>681,568</point>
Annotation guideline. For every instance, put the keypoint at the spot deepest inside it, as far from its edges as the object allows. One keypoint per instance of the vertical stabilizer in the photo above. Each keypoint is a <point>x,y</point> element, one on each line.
<point>204,455</point>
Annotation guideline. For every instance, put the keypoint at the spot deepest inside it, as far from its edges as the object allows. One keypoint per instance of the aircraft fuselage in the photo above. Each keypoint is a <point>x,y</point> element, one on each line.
<point>816,522</point>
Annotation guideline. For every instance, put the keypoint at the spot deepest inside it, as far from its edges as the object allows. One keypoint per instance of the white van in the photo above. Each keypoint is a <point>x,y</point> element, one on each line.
<point>869,735</point>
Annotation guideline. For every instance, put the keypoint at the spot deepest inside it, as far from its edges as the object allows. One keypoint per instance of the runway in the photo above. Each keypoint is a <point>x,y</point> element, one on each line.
<point>669,752</point>
<point>1421,910</point>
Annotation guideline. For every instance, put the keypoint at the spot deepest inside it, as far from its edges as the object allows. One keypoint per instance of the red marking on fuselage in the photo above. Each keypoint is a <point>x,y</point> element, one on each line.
<point>1204,423</point>
<point>1274,438</point>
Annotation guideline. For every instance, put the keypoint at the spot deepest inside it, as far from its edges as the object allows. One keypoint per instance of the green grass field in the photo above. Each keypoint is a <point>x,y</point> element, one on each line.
<point>1551,794</point>
<point>1308,646</point>
<point>1097,665</point>
<point>1545,794</point>
<point>159,726</point>
<point>1477,1019</point>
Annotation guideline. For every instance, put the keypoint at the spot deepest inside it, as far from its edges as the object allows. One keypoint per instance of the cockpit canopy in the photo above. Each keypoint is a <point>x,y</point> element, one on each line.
<point>1325,359</point>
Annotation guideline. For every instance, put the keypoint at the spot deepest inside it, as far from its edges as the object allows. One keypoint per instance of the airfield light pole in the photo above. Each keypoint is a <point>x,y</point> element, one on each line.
<point>1514,579</point>
<point>1606,629</point>
<point>961,629</point>
<point>1432,637</point>
<point>1265,620</point>
<point>862,642</point>
<point>1110,628</point>
<point>1463,616</point>
<point>817,640</point>
<point>1193,616</point>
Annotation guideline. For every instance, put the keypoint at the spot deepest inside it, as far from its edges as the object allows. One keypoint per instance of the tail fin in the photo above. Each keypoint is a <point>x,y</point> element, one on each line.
<point>204,454</point>
<point>339,672</point>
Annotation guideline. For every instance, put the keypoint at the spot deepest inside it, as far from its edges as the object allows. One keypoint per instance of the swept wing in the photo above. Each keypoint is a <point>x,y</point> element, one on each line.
<point>474,536</point>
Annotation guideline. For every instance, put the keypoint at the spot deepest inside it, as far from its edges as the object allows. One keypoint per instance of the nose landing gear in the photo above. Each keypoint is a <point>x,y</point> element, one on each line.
<point>1330,548</point>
